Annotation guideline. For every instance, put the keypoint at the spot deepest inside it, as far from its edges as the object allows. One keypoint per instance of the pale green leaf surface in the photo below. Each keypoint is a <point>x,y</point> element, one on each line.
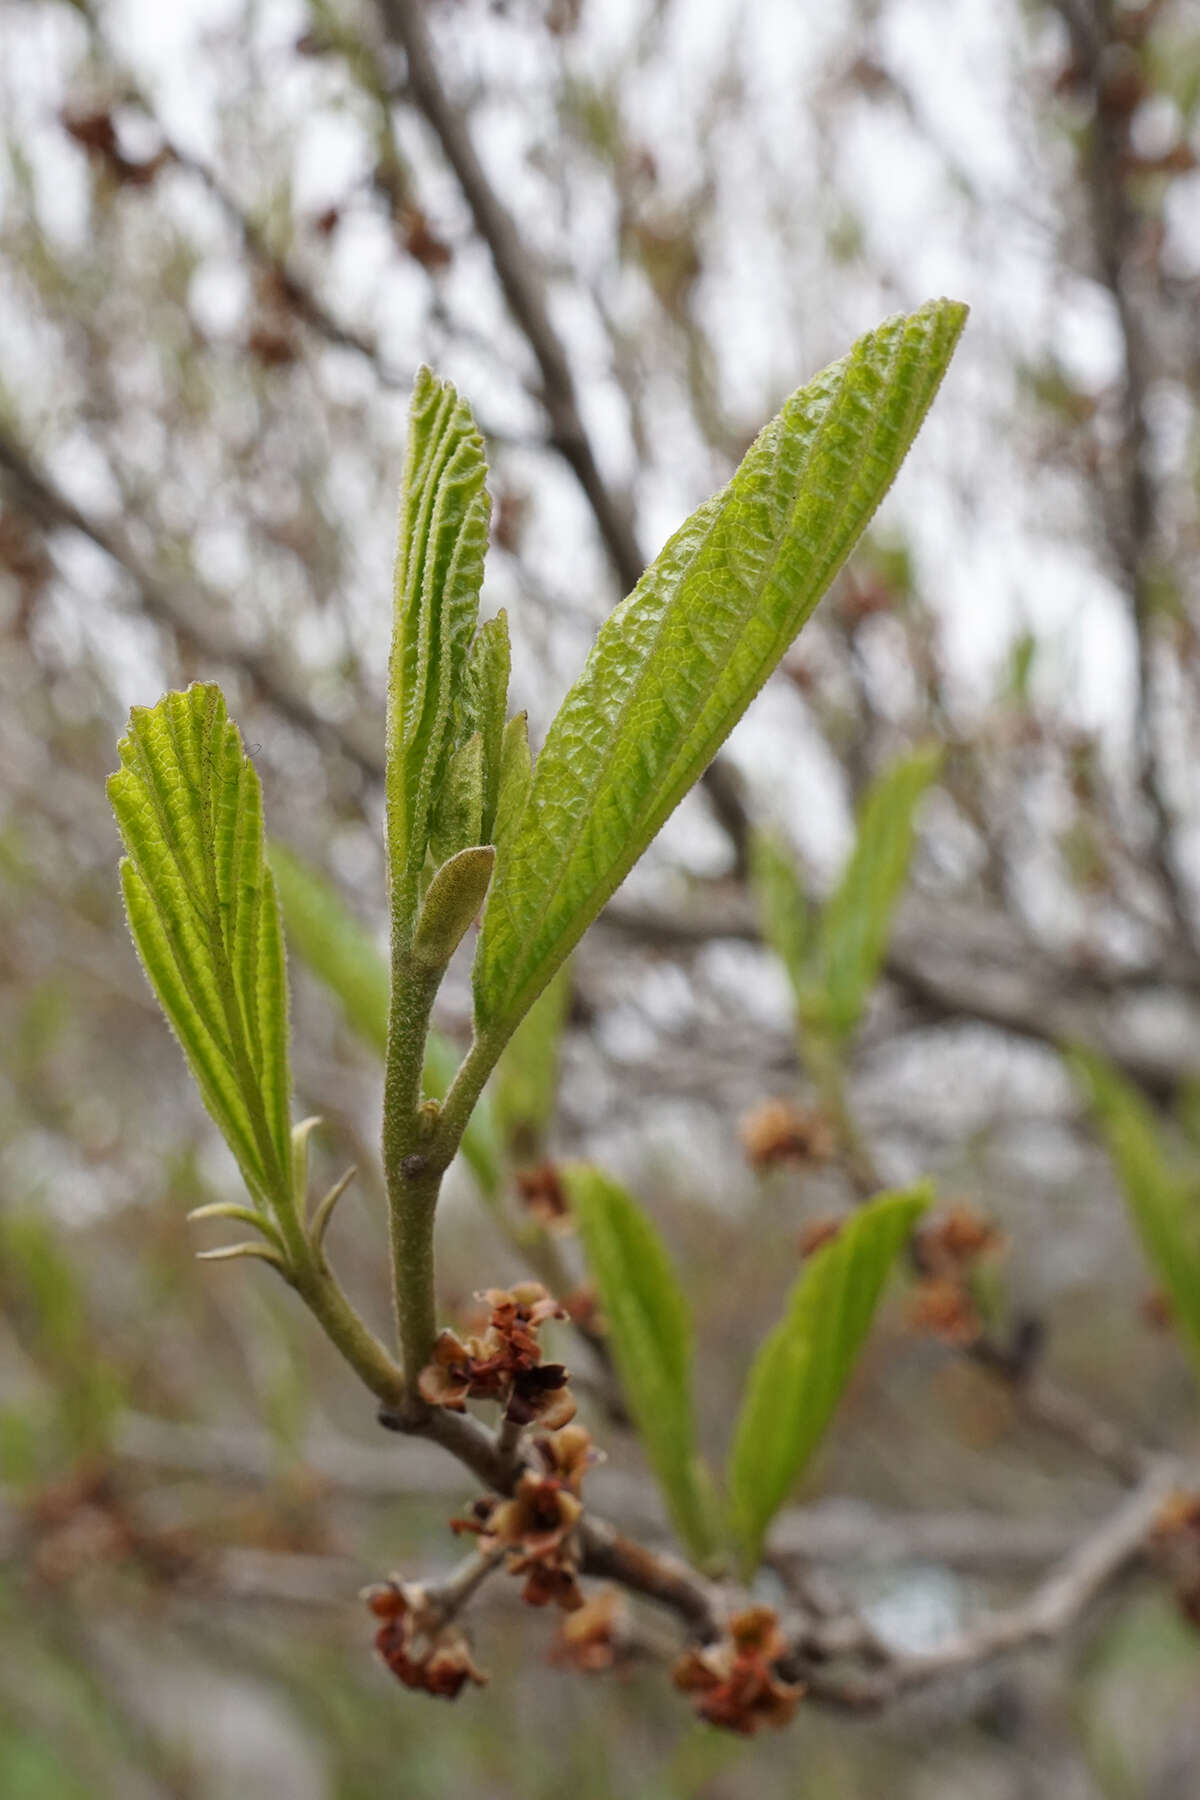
<point>516,778</point>
<point>344,956</point>
<point>650,1334</point>
<point>803,1365</point>
<point>526,1084</point>
<point>458,811</point>
<point>678,662</point>
<point>485,705</point>
<point>857,917</point>
<point>205,920</point>
<point>444,511</point>
<point>782,905</point>
<point>1163,1203</point>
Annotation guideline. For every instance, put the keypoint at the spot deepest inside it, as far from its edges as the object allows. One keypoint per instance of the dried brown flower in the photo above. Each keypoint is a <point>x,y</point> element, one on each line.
<point>775,1131</point>
<point>735,1681</point>
<point>418,1645</point>
<point>542,1193</point>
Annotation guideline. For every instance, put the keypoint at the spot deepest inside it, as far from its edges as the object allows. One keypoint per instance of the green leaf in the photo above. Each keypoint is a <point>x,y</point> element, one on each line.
<point>484,707</point>
<point>516,778</point>
<point>678,662</point>
<point>205,919</point>
<point>1164,1204</point>
<point>857,916</point>
<point>651,1338</point>
<point>444,512</point>
<point>802,1367</point>
<point>343,955</point>
<point>458,813</point>
<point>783,906</point>
<point>527,1074</point>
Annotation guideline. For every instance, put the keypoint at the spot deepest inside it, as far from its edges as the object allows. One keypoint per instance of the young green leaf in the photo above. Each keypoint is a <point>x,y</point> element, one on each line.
<point>1164,1204</point>
<point>444,512</point>
<point>527,1075</point>
<point>516,778</point>
<point>202,909</point>
<point>803,1365</point>
<point>858,914</point>
<point>343,955</point>
<point>678,662</point>
<point>485,702</point>
<point>457,822</point>
<point>783,906</point>
<point>651,1337</point>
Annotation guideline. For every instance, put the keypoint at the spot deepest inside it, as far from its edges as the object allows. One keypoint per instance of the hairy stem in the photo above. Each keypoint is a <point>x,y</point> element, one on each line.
<point>412,1167</point>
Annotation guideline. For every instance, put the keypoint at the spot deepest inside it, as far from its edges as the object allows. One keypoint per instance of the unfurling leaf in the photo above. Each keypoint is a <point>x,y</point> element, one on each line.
<point>858,914</point>
<point>1163,1203</point>
<point>343,955</point>
<point>799,1373</point>
<point>202,909</point>
<point>453,900</point>
<point>678,662</point>
<point>651,1338</point>
<point>458,815</point>
<point>439,569</point>
<point>485,703</point>
<point>516,778</point>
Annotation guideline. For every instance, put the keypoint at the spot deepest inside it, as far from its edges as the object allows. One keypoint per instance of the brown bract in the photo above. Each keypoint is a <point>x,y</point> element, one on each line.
<point>735,1682</point>
<point>1175,1546</point>
<point>418,1646</point>
<point>542,1193</point>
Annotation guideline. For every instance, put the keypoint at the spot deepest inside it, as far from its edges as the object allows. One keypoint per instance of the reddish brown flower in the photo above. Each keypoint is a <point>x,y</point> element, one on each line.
<point>504,1363</point>
<point>735,1681</point>
<point>420,1648</point>
<point>1175,1546</point>
<point>542,1193</point>
<point>775,1131</point>
<point>535,1529</point>
<point>954,1241</point>
<point>594,1636</point>
<point>941,1306</point>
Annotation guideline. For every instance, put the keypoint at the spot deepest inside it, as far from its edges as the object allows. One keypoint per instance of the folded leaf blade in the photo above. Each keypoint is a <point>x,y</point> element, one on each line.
<point>651,1337</point>
<point>803,1365</point>
<point>444,511</point>
<point>678,662</point>
<point>203,913</point>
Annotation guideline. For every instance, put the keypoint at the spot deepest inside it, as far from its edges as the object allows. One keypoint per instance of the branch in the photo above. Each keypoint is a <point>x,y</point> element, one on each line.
<point>185,608</point>
<point>523,284</point>
<point>1043,1617</point>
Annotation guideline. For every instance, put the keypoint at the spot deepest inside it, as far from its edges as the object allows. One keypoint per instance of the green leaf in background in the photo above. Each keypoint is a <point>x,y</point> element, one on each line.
<point>677,663</point>
<point>802,1367</point>
<point>526,1082</point>
<point>650,1333</point>
<point>857,917</point>
<point>1164,1204</point>
<point>783,907</point>
<point>205,919</point>
<point>345,958</point>
<point>444,512</point>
